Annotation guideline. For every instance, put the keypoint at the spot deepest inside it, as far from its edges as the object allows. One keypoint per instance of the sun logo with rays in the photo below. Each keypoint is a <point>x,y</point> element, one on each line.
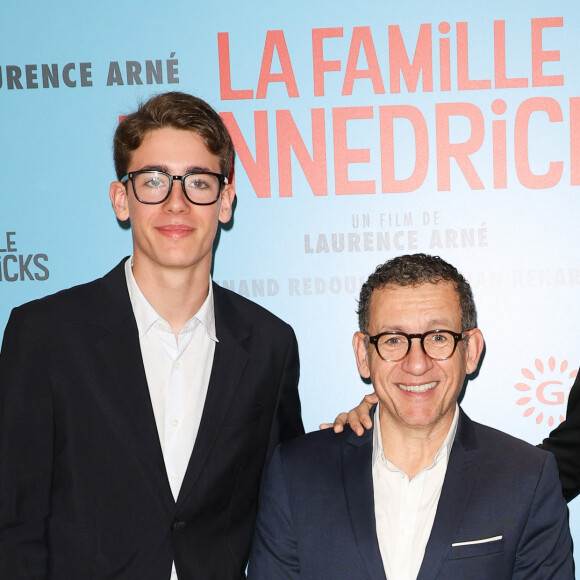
<point>546,389</point>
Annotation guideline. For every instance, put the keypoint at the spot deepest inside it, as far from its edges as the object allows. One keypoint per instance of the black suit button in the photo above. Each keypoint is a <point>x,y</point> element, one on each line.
<point>176,525</point>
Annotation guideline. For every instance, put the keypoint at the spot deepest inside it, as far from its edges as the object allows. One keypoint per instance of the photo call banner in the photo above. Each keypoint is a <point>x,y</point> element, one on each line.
<point>362,131</point>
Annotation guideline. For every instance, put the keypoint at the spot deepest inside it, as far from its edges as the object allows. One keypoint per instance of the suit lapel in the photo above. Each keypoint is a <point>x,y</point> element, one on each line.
<point>358,487</point>
<point>458,485</point>
<point>117,343</point>
<point>230,359</point>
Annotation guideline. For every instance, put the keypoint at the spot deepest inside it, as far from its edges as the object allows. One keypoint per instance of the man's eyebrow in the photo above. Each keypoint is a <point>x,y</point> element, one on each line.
<point>439,323</point>
<point>165,169</point>
<point>199,169</point>
<point>154,168</point>
<point>432,324</point>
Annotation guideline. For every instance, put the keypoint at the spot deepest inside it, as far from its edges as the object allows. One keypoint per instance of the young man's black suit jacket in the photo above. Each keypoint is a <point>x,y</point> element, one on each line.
<point>83,488</point>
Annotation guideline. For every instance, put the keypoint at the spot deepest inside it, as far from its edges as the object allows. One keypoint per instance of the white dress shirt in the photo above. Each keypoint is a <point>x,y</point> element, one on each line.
<point>177,371</point>
<point>405,509</point>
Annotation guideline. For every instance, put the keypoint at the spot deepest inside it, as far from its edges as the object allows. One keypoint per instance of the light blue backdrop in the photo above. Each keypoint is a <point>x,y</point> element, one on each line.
<point>516,243</point>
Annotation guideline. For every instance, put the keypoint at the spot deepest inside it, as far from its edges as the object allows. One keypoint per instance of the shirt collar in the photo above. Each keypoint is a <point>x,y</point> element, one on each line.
<point>443,452</point>
<point>146,316</point>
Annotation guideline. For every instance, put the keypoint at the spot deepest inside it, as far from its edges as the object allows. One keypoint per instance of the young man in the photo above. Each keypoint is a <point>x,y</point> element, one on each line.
<point>137,411</point>
<point>427,493</point>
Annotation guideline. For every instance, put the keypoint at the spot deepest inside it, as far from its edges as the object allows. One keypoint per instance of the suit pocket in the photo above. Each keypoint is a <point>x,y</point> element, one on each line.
<point>468,550</point>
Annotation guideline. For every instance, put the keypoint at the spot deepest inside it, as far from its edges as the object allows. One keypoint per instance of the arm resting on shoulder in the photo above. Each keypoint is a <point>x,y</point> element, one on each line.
<point>275,547</point>
<point>287,421</point>
<point>358,418</point>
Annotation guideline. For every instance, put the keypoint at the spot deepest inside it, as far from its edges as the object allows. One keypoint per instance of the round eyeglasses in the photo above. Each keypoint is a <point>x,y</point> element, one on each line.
<point>393,346</point>
<point>152,187</point>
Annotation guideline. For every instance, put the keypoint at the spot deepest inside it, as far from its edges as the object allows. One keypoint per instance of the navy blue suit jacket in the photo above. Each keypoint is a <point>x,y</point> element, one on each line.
<point>84,493</point>
<point>316,517</point>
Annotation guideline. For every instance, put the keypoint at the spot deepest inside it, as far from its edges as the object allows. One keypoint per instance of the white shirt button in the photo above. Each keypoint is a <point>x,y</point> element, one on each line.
<point>174,423</point>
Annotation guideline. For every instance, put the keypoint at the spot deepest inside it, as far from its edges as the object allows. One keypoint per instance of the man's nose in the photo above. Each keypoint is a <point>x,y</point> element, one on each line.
<point>177,201</point>
<point>416,362</point>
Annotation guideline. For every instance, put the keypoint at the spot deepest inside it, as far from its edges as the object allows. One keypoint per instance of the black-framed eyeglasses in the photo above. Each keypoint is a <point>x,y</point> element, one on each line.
<point>152,187</point>
<point>393,345</point>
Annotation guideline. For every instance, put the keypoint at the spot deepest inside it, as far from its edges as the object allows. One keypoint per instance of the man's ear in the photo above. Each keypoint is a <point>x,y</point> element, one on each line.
<point>118,195</point>
<point>226,203</point>
<point>360,344</point>
<point>473,350</point>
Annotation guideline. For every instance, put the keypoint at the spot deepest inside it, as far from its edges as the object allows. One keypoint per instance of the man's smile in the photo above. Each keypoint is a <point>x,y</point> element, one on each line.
<point>418,388</point>
<point>175,230</point>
